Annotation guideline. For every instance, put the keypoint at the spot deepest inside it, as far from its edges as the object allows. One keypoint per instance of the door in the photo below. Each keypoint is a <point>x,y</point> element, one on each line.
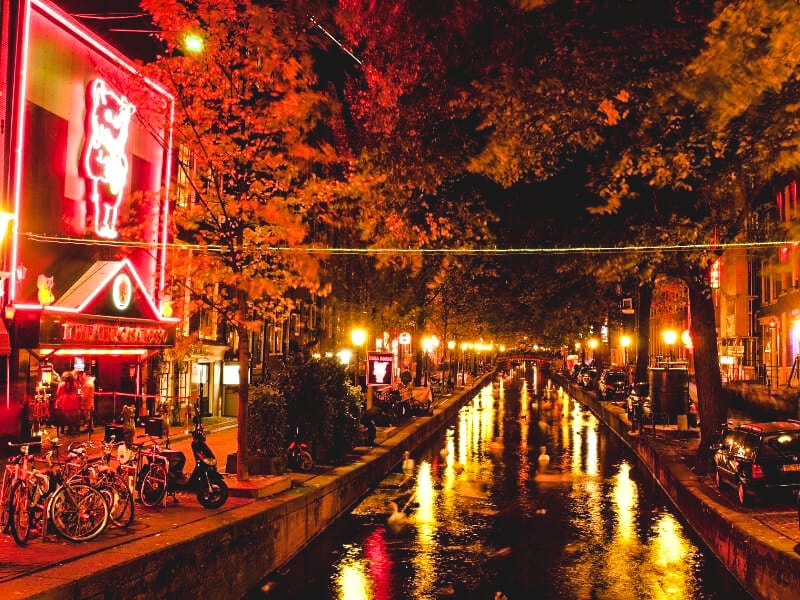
<point>200,386</point>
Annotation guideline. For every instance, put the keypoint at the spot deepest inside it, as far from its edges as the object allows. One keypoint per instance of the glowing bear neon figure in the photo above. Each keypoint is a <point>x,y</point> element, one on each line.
<point>105,161</point>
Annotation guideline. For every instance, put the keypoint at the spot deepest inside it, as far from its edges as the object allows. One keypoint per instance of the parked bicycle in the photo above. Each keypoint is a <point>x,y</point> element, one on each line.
<point>78,511</point>
<point>100,475</point>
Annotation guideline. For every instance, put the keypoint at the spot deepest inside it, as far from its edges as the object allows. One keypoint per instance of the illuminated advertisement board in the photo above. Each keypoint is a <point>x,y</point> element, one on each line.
<point>380,367</point>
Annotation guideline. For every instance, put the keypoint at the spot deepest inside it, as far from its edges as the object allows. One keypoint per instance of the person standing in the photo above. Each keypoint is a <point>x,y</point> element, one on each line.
<point>69,401</point>
<point>87,400</point>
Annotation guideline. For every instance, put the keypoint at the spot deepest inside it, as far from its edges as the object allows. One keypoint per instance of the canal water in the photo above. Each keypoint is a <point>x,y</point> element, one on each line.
<point>527,495</point>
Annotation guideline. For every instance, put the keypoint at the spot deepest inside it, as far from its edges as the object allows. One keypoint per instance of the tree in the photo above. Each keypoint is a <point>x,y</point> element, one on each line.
<point>255,154</point>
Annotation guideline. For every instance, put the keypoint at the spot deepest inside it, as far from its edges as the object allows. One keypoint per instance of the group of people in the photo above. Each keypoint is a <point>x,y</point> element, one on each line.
<point>73,407</point>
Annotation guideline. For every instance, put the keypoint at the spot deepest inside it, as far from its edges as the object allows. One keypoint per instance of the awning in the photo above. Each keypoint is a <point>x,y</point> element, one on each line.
<point>5,340</point>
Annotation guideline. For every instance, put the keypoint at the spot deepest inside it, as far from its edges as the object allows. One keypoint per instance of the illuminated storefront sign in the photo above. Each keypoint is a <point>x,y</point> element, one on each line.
<point>380,368</point>
<point>98,333</point>
<point>104,159</point>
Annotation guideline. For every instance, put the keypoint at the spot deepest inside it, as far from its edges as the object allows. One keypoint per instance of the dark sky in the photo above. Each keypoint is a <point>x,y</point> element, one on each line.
<point>135,44</point>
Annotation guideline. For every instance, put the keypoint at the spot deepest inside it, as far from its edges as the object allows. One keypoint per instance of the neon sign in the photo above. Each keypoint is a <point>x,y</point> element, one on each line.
<point>121,291</point>
<point>99,333</point>
<point>104,159</point>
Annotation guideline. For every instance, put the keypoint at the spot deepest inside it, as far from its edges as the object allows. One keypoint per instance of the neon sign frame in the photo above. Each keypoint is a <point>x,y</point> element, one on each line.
<point>85,35</point>
<point>91,297</point>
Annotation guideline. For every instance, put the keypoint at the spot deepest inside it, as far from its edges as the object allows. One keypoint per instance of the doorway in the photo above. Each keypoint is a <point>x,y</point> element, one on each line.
<point>201,388</point>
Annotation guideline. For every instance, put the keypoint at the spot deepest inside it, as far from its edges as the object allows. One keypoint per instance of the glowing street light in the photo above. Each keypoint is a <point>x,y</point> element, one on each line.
<point>670,336</point>
<point>344,356</point>
<point>625,342</point>
<point>193,43</point>
<point>451,345</point>
<point>358,336</point>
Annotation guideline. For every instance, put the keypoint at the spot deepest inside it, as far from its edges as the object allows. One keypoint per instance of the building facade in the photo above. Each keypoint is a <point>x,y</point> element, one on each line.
<point>85,210</point>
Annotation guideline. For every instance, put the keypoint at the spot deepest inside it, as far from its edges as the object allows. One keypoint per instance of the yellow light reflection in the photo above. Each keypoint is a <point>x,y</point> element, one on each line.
<point>577,440</point>
<point>592,461</point>
<point>352,581</point>
<point>624,495</point>
<point>670,557</point>
<point>425,521</point>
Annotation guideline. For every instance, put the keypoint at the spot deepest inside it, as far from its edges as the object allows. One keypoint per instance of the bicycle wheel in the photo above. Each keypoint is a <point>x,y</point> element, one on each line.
<point>119,498</point>
<point>78,512</point>
<point>5,501</point>
<point>20,512</point>
<point>153,488</point>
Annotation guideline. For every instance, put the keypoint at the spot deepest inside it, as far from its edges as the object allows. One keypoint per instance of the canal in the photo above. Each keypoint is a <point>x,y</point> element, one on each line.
<point>525,494</point>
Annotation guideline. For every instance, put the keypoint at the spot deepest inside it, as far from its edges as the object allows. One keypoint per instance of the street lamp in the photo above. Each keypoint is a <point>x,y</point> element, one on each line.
<point>463,369</point>
<point>451,345</point>
<point>193,43</point>
<point>358,336</point>
<point>625,342</point>
<point>670,336</point>
<point>592,343</point>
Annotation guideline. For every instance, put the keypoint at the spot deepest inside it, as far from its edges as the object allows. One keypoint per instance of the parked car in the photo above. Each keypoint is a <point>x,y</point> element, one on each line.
<point>613,384</point>
<point>757,457</point>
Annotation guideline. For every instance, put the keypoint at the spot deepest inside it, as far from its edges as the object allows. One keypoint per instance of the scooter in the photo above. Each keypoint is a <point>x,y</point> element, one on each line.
<point>299,456</point>
<point>205,480</point>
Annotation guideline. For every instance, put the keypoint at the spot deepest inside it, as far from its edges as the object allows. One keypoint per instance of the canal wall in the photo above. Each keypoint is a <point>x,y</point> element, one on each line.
<point>227,554</point>
<point>765,562</point>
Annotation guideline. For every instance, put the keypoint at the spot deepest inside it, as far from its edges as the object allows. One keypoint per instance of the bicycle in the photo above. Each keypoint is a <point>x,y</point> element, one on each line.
<point>99,475</point>
<point>10,475</point>
<point>147,471</point>
<point>78,511</point>
<point>29,487</point>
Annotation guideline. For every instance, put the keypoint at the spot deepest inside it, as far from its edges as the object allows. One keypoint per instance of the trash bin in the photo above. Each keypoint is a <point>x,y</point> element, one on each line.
<point>669,392</point>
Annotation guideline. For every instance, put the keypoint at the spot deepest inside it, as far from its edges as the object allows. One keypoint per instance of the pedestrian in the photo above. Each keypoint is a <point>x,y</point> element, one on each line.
<point>87,400</point>
<point>128,423</point>
<point>372,430</point>
<point>69,402</point>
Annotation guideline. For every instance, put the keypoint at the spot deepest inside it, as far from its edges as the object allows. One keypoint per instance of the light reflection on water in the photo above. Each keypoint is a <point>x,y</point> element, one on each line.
<point>481,518</point>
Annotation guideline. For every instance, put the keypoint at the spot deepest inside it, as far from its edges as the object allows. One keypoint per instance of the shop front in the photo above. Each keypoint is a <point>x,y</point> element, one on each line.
<point>104,326</point>
<point>83,273</point>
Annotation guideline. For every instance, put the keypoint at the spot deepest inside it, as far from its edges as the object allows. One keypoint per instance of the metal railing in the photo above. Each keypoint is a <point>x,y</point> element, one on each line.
<point>108,406</point>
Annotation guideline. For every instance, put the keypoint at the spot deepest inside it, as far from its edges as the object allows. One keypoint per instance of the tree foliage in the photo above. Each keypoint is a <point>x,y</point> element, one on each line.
<point>256,157</point>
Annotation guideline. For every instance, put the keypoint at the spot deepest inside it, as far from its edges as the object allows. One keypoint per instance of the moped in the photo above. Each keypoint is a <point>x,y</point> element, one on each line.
<point>299,456</point>
<point>162,473</point>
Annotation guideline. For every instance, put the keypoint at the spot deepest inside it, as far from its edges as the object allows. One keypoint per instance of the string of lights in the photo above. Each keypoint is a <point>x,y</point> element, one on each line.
<point>711,247</point>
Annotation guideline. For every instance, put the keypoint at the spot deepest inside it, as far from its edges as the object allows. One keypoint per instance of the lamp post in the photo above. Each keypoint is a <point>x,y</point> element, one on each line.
<point>451,345</point>
<point>358,336</point>
<point>670,336</point>
<point>462,369</point>
<point>773,363</point>
<point>625,342</point>
<point>592,343</point>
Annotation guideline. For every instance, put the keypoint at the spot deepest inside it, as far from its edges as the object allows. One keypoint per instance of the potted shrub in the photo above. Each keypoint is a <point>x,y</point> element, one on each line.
<point>267,430</point>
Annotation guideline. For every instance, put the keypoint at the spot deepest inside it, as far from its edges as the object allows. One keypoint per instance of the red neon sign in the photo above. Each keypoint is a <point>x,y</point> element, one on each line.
<point>104,158</point>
